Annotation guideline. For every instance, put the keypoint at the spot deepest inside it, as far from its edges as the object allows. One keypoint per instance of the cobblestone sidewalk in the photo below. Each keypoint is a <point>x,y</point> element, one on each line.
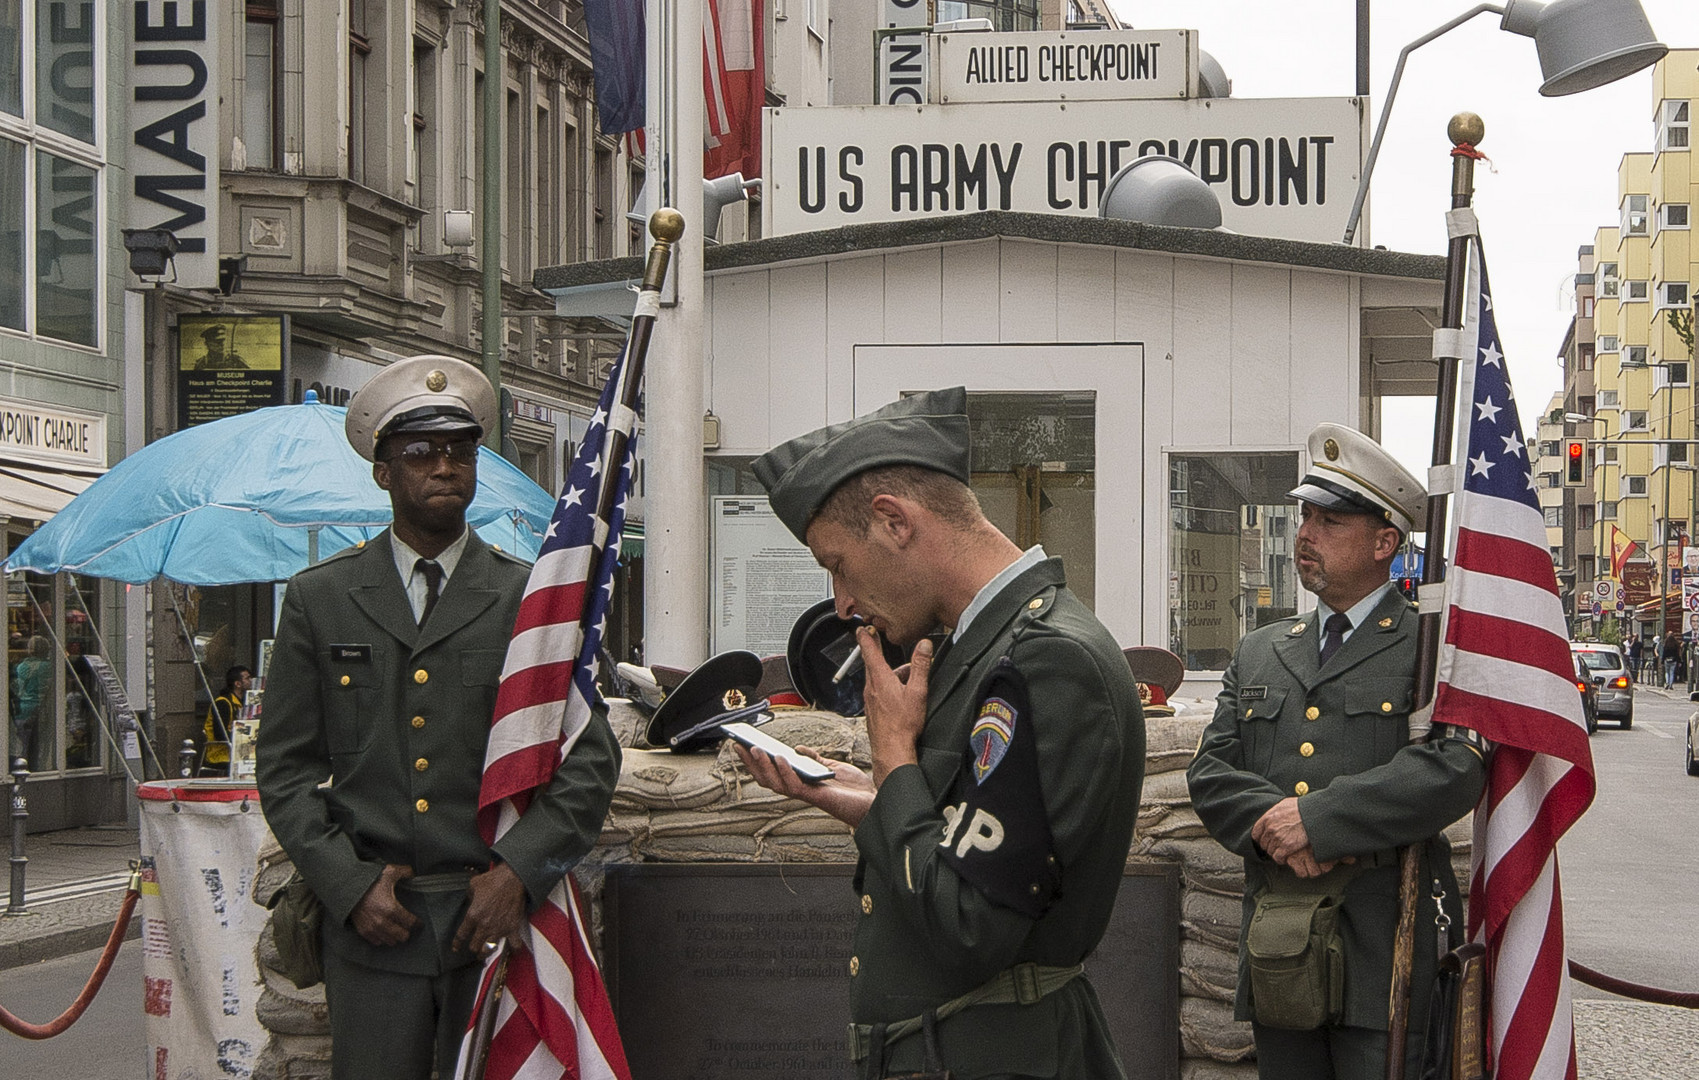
<point>1630,1040</point>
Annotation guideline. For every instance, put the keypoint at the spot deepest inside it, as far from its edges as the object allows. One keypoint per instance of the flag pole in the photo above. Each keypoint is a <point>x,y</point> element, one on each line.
<point>1465,131</point>
<point>666,225</point>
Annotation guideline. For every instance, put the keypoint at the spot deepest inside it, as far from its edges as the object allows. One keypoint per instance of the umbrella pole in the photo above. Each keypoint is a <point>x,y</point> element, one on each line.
<point>312,544</point>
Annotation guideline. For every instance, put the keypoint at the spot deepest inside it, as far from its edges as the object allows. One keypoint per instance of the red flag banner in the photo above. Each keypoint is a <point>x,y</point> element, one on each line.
<point>734,85</point>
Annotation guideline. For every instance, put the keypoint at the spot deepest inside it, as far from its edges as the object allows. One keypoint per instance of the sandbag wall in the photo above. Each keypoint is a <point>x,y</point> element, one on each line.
<point>705,808</point>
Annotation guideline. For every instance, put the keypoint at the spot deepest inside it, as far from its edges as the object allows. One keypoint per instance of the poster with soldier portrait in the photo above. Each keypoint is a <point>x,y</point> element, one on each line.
<point>228,364</point>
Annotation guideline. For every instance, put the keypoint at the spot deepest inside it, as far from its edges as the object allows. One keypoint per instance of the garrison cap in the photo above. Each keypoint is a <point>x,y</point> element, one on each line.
<point>1351,472</point>
<point>929,430</point>
<point>420,395</point>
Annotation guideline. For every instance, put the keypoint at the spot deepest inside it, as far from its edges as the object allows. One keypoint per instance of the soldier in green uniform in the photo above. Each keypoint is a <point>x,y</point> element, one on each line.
<point>1007,762</point>
<point>383,682</point>
<point>1307,770</point>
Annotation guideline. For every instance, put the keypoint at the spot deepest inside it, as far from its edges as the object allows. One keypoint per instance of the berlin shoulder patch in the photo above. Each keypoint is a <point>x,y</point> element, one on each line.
<point>996,830</point>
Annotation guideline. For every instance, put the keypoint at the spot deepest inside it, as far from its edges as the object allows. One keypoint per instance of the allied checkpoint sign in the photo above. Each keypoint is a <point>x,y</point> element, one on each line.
<point>1057,65</point>
<point>1282,167</point>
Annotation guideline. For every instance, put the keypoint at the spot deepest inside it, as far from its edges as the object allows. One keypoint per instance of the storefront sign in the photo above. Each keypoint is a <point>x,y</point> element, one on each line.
<point>762,579</point>
<point>227,364</point>
<point>902,57</point>
<point>37,432</point>
<point>1637,582</point>
<point>171,70</point>
<point>1091,65</point>
<point>1281,167</point>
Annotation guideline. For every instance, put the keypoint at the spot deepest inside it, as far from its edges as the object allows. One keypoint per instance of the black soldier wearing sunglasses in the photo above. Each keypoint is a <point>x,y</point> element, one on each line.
<point>383,682</point>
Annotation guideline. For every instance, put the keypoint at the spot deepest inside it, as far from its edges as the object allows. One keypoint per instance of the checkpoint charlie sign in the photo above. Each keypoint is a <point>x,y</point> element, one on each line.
<point>1281,167</point>
<point>1101,65</point>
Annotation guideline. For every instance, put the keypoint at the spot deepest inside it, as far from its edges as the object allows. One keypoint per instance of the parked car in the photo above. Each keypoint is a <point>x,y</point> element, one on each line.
<point>1692,729</point>
<point>1611,677</point>
<point>1589,693</point>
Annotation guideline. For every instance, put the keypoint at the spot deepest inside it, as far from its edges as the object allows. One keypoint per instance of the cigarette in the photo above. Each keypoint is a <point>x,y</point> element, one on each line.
<point>852,664</point>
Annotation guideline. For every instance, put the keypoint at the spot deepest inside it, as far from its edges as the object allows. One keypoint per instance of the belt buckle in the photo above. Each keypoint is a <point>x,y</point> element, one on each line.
<point>1026,983</point>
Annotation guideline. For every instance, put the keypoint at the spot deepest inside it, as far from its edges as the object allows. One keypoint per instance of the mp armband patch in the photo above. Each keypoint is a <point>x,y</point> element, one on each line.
<point>996,832</point>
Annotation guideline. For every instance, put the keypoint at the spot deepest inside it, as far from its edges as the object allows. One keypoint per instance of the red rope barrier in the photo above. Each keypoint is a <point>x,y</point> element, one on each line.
<point>26,1030</point>
<point>1610,984</point>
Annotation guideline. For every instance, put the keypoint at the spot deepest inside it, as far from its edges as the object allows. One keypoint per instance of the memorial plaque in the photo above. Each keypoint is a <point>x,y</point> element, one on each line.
<point>740,972</point>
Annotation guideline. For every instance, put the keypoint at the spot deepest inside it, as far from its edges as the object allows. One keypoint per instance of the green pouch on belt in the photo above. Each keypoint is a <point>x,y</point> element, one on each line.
<point>1297,965</point>
<point>297,920</point>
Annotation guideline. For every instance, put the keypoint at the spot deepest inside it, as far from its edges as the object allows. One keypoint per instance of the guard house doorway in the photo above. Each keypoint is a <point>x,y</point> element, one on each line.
<point>1057,450</point>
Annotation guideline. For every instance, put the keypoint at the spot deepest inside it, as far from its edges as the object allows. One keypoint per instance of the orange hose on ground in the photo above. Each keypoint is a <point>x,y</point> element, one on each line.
<point>26,1030</point>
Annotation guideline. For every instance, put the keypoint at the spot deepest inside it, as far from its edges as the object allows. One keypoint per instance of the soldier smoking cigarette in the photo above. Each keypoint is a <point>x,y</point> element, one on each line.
<point>851,665</point>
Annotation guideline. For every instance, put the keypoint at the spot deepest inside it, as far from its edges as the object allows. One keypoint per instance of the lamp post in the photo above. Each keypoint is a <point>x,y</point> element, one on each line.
<point>1582,44</point>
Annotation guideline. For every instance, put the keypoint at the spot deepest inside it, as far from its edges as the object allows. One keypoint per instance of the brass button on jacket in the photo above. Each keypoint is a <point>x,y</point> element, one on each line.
<point>346,680</point>
<point>422,805</point>
<point>1307,749</point>
<point>866,904</point>
<point>418,721</point>
<point>1312,713</point>
<point>1301,788</point>
<point>855,965</point>
<point>421,676</point>
<point>421,765</point>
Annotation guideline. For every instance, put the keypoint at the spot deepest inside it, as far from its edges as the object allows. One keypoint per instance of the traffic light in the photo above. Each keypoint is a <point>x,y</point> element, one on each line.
<point>1574,456</point>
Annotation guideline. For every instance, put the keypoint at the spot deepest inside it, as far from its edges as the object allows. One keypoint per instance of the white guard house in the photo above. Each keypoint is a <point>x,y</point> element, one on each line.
<point>1140,395</point>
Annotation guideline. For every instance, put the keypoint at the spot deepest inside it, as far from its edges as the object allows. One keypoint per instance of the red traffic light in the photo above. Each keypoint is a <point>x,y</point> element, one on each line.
<point>1576,449</point>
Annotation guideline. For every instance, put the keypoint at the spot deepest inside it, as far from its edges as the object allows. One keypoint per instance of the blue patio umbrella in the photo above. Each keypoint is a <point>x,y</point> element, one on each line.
<point>241,499</point>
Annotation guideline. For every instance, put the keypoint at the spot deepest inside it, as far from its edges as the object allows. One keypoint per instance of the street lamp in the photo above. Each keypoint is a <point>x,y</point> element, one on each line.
<point>1582,44</point>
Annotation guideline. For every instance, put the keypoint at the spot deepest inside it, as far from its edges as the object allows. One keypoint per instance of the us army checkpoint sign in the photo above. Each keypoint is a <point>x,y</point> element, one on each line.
<point>1281,167</point>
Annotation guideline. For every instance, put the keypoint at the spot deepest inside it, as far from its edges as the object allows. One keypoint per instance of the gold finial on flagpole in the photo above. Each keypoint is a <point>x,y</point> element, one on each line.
<point>1466,128</point>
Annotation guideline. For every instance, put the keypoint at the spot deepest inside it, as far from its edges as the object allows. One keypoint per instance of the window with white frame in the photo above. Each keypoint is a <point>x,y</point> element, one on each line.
<point>1671,453</point>
<point>1669,373</point>
<point>1672,294</point>
<point>260,84</point>
<point>1608,283</point>
<point>1634,356</point>
<point>1672,215</point>
<point>1635,291</point>
<point>1634,213</point>
<point>1554,517</point>
<point>1610,455</point>
<point>1607,510</point>
<point>1607,343</point>
<point>51,169</point>
<point>1607,399</point>
<point>1673,125</point>
<point>1636,420</point>
<point>1633,487</point>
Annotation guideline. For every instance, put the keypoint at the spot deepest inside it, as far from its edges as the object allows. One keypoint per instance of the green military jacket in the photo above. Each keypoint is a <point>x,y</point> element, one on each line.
<point>1337,737</point>
<point>396,718</point>
<point>925,934</point>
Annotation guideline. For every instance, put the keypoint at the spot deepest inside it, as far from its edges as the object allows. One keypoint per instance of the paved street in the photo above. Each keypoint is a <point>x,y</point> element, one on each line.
<point>1631,895</point>
<point>108,1043</point>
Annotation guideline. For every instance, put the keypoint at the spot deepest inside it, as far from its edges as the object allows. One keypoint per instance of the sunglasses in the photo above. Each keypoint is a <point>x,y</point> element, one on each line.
<point>423,453</point>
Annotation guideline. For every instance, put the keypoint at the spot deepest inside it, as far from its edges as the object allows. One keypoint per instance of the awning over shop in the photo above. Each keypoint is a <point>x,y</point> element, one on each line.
<point>631,541</point>
<point>34,491</point>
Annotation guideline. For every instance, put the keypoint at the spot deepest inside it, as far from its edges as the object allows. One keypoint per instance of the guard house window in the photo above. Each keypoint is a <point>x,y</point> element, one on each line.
<point>259,86</point>
<point>1634,215</point>
<point>1672,215</point>
<point>1672,294</point>
<point>1035,473</point>
<point>1229,568</point>
<point>1673,125</point>
<point>1636,291</point>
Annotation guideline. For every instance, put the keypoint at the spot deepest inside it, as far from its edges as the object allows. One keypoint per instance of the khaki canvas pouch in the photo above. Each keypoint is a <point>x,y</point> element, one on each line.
<point>1297,965</point>
<point>297,921</point>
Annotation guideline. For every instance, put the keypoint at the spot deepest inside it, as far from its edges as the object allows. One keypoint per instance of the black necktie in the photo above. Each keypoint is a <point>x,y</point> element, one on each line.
<point>1335,628</point>
<point>433,585</point>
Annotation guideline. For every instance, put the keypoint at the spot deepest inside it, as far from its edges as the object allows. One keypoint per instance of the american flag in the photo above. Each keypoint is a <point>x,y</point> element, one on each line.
<point>1505,670</point>
<point>554,1019</point>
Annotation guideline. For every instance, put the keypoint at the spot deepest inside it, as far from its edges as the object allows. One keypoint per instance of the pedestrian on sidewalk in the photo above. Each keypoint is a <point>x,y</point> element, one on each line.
<point>1649,670</point>
<point>1634,657</point>
<point>1667,648</point>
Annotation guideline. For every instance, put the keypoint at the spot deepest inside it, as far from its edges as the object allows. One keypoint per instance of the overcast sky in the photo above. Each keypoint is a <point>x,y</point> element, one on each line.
<point>1552,180</point>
